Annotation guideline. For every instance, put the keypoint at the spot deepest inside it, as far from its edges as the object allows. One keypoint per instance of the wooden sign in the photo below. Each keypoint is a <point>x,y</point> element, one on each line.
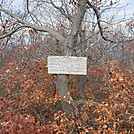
<point>67,65</point>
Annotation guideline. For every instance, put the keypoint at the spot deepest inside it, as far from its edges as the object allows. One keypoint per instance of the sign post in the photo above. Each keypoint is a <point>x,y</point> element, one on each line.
<point>67,65</point>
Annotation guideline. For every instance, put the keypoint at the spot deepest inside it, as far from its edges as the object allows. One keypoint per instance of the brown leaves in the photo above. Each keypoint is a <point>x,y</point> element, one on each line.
<point>31,97</point>
<point>5,24</point>
<point>85,116</point>
<point>111,3</point>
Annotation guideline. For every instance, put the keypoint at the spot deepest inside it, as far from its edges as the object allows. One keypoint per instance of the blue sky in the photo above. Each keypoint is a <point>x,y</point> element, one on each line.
<point>129,9</point>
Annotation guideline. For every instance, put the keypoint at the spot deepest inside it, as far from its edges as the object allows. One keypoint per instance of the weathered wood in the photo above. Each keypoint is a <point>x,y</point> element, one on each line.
<point>67,65</point>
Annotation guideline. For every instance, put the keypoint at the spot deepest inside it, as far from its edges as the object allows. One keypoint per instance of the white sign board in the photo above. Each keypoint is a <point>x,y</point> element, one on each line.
<point>67,65</point>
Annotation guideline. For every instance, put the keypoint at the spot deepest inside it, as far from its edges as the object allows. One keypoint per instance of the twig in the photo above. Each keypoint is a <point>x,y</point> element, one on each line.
<point>11,32</point>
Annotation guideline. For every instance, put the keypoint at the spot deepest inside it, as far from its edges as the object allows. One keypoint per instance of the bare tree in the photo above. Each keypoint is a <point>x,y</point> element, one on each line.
<point>78,25</point>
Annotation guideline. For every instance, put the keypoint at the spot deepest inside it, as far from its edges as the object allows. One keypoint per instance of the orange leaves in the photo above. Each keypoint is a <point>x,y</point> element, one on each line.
<point>85,116</point>
<point>33,106</point>
<point>28,83</point>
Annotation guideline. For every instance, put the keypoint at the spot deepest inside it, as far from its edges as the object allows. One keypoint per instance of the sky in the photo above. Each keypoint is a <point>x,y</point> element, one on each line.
<point>128,10</point>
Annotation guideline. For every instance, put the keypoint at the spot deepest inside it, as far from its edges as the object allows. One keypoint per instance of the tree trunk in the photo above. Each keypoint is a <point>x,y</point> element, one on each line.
<point>81,87</point>
<point>62,80</point>
<point>62,84</point>
<point>82,78</point>
<point>63,87</point>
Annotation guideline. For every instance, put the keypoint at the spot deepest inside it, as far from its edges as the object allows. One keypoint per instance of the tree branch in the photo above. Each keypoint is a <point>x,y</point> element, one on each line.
<point>35,27</point>
<point>31,14</point>
<point>77,23</point>
<point>11,32</point>
<point>62,11</point>
<point>98,21</point>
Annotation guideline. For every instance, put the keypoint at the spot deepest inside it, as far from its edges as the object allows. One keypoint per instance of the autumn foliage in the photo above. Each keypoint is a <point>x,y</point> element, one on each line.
<point>29,102</point>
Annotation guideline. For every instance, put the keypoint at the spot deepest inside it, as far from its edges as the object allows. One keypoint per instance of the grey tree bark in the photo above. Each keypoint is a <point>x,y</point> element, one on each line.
<point>62,80</point>
<point>82,78</point>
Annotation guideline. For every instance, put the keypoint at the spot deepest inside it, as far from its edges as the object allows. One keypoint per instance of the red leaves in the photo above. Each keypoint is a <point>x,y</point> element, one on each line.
<point>1,50</point>
<point>30,32</point>
<point>57,42</point>
<point>74,2</point>
<point>53,92</point>
<point>10,63</point>
<point>5,24</point>
<point>28,60</point>
<point>7,21</point>
<point>20,103</point>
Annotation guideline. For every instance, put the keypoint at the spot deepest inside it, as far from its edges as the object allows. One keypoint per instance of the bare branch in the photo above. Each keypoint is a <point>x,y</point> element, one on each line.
<point>11,32</point>
<point>62,11</point>
<point>35,27</point>
<point>30,13</point>
<point>27,6</point>
<point>98,21</point>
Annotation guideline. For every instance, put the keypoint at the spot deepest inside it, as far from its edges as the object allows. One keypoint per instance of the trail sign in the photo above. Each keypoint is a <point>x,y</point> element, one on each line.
<point>67,65</point>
